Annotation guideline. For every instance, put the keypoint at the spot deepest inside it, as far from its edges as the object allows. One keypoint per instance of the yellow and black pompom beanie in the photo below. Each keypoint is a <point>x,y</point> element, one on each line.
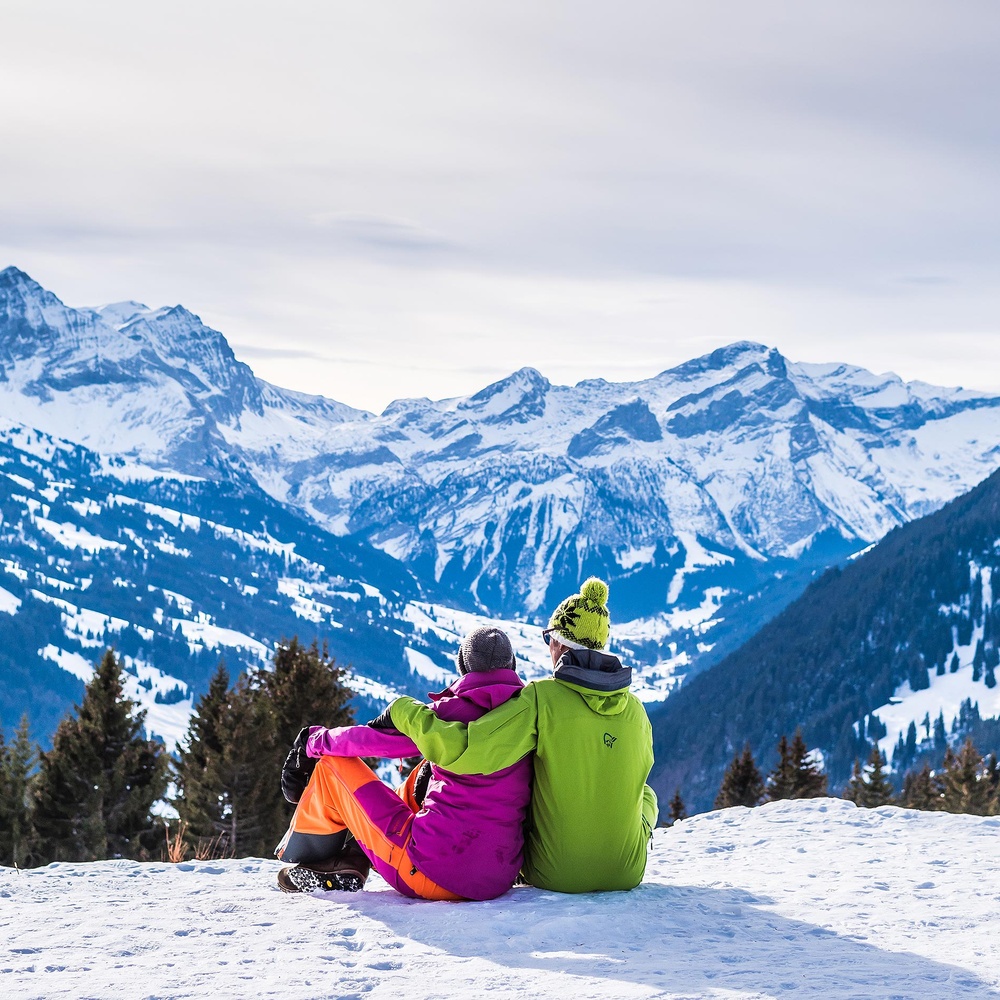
<point>582,621</point>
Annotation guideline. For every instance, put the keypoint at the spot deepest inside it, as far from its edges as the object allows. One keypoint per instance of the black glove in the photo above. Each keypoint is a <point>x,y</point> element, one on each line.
<point>297,769</point>
<point>384,721</point>
<point>421,782</point>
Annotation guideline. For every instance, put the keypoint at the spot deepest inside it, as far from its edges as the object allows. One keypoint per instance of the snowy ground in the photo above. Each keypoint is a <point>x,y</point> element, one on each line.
<point>795,899</point>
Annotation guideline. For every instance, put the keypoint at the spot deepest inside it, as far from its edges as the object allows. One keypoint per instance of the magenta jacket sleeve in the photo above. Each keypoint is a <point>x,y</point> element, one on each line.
<point>358,741</point>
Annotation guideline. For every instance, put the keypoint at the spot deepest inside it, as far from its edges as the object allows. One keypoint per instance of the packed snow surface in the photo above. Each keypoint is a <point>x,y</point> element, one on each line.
<point>810,899</point>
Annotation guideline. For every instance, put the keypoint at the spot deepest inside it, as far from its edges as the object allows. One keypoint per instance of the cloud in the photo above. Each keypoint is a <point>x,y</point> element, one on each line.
<point>374,182</point>
<point>381,233</point>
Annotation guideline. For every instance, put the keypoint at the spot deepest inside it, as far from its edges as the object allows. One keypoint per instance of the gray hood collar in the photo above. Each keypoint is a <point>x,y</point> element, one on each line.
<point>592,669</point>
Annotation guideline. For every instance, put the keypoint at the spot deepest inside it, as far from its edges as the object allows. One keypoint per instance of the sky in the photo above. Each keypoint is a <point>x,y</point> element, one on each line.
<point>392,199</point>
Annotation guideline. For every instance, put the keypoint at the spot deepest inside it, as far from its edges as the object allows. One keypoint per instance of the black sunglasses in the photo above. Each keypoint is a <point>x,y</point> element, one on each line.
<point>547,635</point>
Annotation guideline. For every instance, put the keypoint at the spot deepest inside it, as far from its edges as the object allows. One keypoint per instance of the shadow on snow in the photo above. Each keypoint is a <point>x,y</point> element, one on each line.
<point>682,939</point>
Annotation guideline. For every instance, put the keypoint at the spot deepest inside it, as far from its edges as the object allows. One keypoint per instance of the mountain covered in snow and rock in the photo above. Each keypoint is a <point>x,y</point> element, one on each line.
<point>179,573</point>
<point>708,495</point>
<point>900,648</point>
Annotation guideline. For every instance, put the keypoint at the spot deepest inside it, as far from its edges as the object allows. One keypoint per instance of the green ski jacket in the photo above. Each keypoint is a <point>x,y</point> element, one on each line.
<point>591,812</point>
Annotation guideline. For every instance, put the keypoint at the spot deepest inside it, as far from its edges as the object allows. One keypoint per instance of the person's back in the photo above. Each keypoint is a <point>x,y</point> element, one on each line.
<point>469,833</point>
<point>591,812</point>
<point>593,754</point>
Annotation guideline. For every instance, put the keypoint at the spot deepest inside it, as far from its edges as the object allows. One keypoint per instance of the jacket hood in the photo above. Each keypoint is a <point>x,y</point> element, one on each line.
<point>600,679</point>
<point>487,690</point>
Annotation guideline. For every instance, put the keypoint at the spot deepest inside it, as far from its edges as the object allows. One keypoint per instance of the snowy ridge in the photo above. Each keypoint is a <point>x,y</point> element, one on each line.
<point>88,563</point>
<point>800,899</point>
<point>716,475</point>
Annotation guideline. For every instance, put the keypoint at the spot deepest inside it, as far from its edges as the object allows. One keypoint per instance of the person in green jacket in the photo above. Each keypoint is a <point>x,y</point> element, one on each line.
<point>592,813</point>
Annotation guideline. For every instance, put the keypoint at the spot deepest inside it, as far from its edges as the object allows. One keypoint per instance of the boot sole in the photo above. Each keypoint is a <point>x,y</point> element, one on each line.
<point>299,879</point>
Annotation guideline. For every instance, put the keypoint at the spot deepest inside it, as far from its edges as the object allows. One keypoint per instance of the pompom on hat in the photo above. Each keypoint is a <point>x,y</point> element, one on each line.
<point>582,621</point>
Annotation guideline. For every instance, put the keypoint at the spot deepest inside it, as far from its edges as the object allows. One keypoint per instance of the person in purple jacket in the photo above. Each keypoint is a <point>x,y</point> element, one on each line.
<point>441,835</point>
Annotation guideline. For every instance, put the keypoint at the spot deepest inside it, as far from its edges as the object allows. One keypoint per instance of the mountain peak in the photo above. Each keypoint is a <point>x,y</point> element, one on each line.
<point>13,279</point>
<point>118,314</point>
<point>519,397</point>
<point>733,356</point>
<point>12,273</point>
<point>524,379</point>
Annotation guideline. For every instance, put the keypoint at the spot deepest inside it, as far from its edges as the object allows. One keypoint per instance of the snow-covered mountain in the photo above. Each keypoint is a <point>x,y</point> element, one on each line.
<point>708,495</point>
<point>153,386</point>
<point>179,573</point>
<point>795,899</point>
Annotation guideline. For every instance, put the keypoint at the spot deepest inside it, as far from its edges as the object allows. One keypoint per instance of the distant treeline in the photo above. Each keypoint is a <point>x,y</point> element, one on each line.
<point>966,782</point>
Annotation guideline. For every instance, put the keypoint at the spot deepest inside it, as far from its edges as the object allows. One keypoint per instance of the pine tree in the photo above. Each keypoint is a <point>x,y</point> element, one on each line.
<point>855,784</point>
<point>922,790</point>
<point>810,781</point>
<point>940,732</point>
<point>678,810</point>
<point>16,763</point>
<point>781,781</point>
<point>742,784</point>
<point>870,787</point>
<point>98,783</point>
<point>199,769</point>
<point>966,790</point>
<point>305,687</point>
<point>796,775</point>
<point>228,791</point>
<point>229,765</point>
<point>254,814</point>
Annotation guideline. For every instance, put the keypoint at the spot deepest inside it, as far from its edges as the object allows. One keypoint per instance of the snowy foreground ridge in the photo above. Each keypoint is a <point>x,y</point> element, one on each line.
<point>794,899</point>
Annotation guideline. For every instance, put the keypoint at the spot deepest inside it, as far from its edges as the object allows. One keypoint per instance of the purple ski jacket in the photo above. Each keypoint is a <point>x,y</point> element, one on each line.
<point>469,835</point>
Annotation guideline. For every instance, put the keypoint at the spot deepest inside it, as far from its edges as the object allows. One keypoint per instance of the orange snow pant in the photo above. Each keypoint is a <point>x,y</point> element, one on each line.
<point>345,794</point>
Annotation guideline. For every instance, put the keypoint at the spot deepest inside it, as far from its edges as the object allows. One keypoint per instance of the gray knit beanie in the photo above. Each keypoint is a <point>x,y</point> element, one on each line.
<point>485,648</point>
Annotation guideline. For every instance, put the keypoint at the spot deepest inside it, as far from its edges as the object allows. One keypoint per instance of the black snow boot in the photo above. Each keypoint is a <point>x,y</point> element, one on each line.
<point>348,873</point>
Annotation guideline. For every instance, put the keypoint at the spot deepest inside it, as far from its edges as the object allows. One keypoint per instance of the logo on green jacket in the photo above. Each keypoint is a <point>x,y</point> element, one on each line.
<point>609,740</point>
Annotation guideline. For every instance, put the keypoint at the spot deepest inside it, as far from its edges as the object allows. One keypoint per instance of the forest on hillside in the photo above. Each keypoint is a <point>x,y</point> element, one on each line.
<point>842,650</point>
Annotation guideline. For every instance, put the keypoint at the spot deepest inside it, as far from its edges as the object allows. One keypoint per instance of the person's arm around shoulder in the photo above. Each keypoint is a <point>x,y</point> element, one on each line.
<point>358,741</point>
<point>491,743</point>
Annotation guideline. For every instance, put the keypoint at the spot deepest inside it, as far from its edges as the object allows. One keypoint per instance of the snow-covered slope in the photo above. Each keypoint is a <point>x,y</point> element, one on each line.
<point>177,575</point>
<point>958,679</point>
<point>707,495</point>
<point>812,899</point>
